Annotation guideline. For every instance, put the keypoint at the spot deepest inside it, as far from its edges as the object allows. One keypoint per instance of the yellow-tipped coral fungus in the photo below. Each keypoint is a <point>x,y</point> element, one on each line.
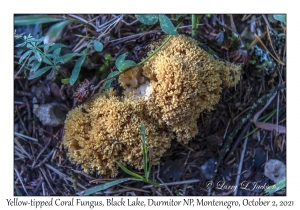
<point>167,94</point>
<point>110,130</point>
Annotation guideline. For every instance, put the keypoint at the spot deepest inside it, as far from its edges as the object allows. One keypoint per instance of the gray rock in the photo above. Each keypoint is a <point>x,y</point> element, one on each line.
<point>275,170</point>
<point>207,168</point>
<point>49,114</point>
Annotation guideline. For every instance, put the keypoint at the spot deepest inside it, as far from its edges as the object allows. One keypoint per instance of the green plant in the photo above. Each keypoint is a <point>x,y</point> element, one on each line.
<point>135,176</point>
<point>147,164</point>
<point>45,51</point>
<point>280,17</point>
<point>276,187</point>
<point>195,22</point>
<point>49,55</point>
<point>123,65</point>
<point>165,23</point>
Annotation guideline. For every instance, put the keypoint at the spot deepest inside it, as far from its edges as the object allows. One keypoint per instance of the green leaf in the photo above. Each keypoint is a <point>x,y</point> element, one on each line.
<point>145,157</point>
<point>121,63</point>
<point>38,56</point>
<point>55,46</point>
<point>65,81</point>
<point>25,54</point>
<point>108,82</point>
<point>281,18</point>
<point>34,19</point>
<point>46,60</point>
<point>147,19</point>
<point>32,58</point>
<point>167,25</point>
<point>54,33</point>
<point>57,51</point>
<point>149,181</point>
<point>21,45</point>
<point>40,72</point>
<point>76,69</point>
<point>69,56</point>
<point>58,59</point>
<point>46,45</point>
<point>98,46</point>
<point>35,66</point>
<point>107,57</point>
<point>128,171</point>
<point>274,188</point>
<point>19,193</point>
<point>104,186</point>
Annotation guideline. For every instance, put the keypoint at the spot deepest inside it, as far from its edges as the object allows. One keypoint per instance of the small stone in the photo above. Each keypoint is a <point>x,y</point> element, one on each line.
<point>49,114</point>
<point>207,168</point>
<point>275,170</point>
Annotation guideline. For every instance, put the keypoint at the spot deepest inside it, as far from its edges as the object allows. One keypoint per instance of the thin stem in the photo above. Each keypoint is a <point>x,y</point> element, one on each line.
<point>194,25</point>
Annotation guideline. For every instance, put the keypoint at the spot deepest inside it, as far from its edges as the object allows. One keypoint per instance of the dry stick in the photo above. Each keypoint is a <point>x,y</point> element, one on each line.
<point>239,139</point>
<point>163,184</point>
<point>20,178</point>
<point>46,178</point>
<point>44,160</point>
<point>22,122</point>
<point>84,21</point>
<point>22,66</point>
<point>239,125</point>
<point>24,136</point>
<point>22,93</point>
<point>43,188</point>
<point>22,149</point>
<point>63,175</point>
<point>39,184</point>
<point>241,165</point>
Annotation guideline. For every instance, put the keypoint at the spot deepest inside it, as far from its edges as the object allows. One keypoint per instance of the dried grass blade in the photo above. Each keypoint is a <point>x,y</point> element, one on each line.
<point>267,126</point>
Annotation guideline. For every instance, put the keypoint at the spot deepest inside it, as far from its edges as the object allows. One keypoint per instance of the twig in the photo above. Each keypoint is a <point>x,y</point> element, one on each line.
<point>237,142</point>
<point>187,157</point>
<point>45,178</point>
<point>44,160</point>
<point>277,116</point>
<point>15,77</point>
<point>22,93</point>
<point>163,184</point>
<point>39,184</point>
<point>226,129</point>
<point>19,177</point>
<point>22,122</point>
<point>26,137</point>
<point>83,20</point>
<point>240,165</point>
<point>63,175</point>
<point>22,149</point>
<point>243,120</point>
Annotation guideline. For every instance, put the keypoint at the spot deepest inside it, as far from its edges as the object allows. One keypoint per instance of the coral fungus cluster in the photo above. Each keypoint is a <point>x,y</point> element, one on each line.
<point>167,94</point>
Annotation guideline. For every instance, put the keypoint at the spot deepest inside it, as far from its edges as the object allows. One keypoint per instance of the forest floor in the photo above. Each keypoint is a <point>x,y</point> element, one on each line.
<point>257,42</point>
